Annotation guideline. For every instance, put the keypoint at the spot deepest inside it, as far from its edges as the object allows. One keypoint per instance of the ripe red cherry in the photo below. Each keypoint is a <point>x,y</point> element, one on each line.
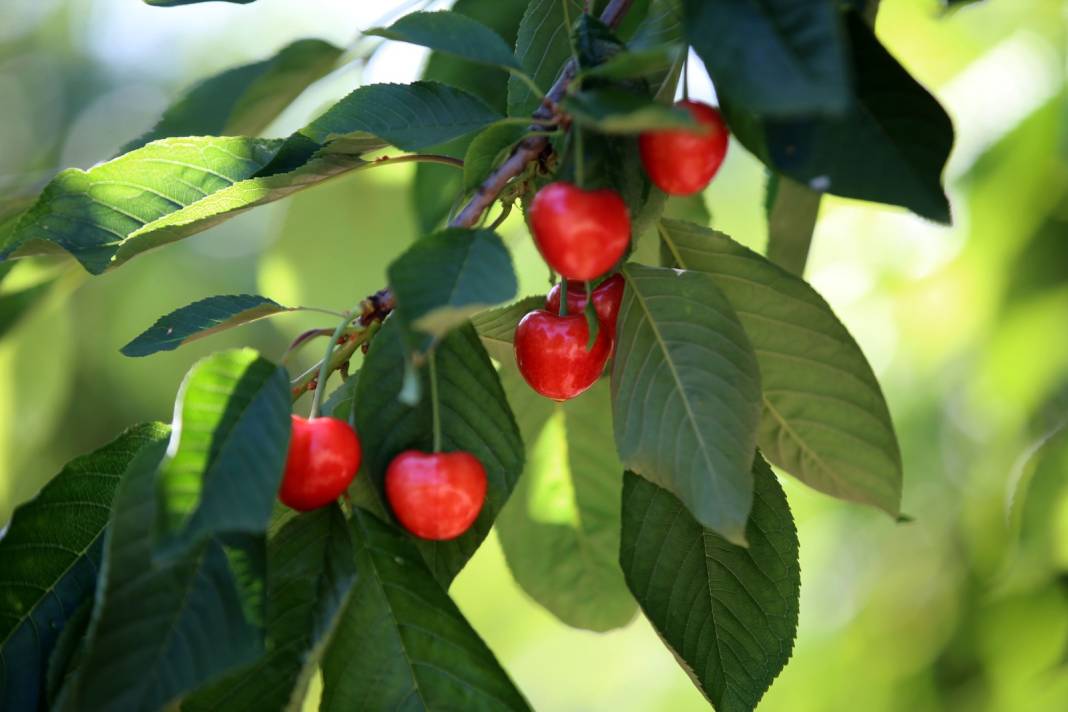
<point>683,162</point>
<point>581,233</point>
<point>606,299</point>
<point>550,351</point>
<point>436,495</point>
<point>324,455</point>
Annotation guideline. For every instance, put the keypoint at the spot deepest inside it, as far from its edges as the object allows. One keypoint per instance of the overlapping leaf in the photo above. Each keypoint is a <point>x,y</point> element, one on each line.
<point>401,642</point>
<point>487,150</point>
<point>496,327</point>
<point>199,319</point>
<point>244,100</point>
<point>729,613</point>
<point>773,57</point>
<point>542,47</point>
<point>791,211</point>
<point>228,450</point>
<point>474,417</point>
<point>825,420</point>
<point>611,110</point>
<point>890,147</point>
<point>451,33</point>
<point>47,571</point>
<point>445,278</point>
<point>311,569</point>
<point>686,394</point>
<point>159,631</point>
<point>560,529</point>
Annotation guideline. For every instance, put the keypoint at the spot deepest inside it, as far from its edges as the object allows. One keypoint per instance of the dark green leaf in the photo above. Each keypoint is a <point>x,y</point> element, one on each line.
<point>825,420</point>
<point>791,210</point>
<point>409,116</point>
<point>452,33</point>
<point>200,319</point>
<point>227,451</point>
<point>487,150</point>
<point>402,643</point>
<point>686,394</point>
<point>890,147</point>
<point>444,279</point>
<point>560,529</point>
<point>728,613</point>
<point>311,569</point>
<point>475,417</point>
<point>542,47</point>
<point>68,652</point>
<point>638,63</point>
<point>773,57</point>
<point>159,631</point>
<point>93,214</point>
<point>46,570</point>
<point>244,100</point>
<point>496,327</point>
<point>611,110</point>
<point>661,26</point>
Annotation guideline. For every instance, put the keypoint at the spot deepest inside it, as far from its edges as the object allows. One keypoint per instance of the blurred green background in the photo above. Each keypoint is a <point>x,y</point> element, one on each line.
<point>963,608</point>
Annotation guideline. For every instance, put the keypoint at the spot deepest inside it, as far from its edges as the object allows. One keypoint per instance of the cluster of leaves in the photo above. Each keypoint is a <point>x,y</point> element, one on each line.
<point>171,576</point>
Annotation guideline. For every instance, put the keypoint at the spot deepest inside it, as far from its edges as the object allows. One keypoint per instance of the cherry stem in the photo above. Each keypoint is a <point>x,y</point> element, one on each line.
<point>505,210</point>
<point>563,296</point>
<point>580,158</point>
<point>435,410</point>
<point>686,74</point>
<point>325,366</point>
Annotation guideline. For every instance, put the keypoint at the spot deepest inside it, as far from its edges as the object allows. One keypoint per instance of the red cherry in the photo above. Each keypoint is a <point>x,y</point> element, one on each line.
<point>436,495</point>
<point>683,162</point>
<point>550,351</point>
<point>324,455</point>
<point>606,299</point>
<point>581,233</point>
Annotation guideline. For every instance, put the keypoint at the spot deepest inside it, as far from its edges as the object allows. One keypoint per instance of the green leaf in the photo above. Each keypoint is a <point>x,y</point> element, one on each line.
<point>542,47</point>
<point>728,613</point>
<point>487,151</point>
<point>175,3</point>
<point>199,319</point>
<point>452,33</point>
<point>227,450</point>
<point>444,279</point>
<point>408,116</point>
<point>686,394</point>
<point>311,569</point>
<point>496,327</point>
<point>792,210</point>
<point>611,110</point>
<point>402,643</point>
<point>475,417</point>
<point>661,26</point>
<point>635,64</point>
<point>92,214</point>
<point>68,652</point>
<point>46,570</point>
<point>560,529</point>
<point>825,420</point>
<point>890,147</point>
<point>773,57</point>
<point>244,100</point>
<point>159,631</point>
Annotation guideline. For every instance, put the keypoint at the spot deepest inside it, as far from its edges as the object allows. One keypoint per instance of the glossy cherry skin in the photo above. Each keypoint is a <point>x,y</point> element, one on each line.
<point>606,299</point>
<point>324,456</point>
<point>683,162</point>
<point>581,233</point>
<point>436,495</point>
<point>550,351</point>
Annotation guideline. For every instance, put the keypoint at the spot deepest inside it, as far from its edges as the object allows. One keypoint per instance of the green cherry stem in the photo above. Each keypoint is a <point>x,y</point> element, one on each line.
<point>580,158</point>
<point>435,408</point>
<point>325,366</point>
<point>563,296</point>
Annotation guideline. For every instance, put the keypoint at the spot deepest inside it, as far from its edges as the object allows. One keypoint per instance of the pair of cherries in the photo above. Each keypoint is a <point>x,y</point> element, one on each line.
<point>434,495</point>
<point>582,235</point>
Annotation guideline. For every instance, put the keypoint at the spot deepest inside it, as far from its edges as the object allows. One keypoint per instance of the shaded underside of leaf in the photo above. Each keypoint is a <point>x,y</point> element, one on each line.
<point>825,420</point>
<point>402,643</point>
<point>496,327</point>
<point>686,393</point>
<point>452,33</point>
<point>728,613</point>
<point>47,571</point>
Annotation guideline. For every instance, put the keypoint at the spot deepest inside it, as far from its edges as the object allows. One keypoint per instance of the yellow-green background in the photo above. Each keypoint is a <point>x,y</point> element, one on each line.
<point>967,327</point>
